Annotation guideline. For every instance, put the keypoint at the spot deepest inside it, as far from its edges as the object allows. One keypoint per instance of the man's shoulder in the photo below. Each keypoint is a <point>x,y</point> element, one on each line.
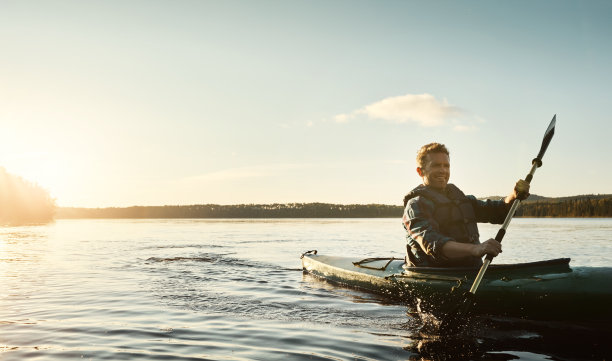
<point>452,188</point>
<point>415,192</point>
<point>456,192</point>
<point>419,201</point>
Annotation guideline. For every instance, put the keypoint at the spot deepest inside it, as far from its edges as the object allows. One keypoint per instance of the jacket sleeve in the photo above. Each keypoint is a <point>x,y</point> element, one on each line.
<point>423,229</point>
<point>489,211</point>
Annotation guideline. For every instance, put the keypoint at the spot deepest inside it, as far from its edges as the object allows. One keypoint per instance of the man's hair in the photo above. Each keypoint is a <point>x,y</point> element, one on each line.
<point>427,149</point>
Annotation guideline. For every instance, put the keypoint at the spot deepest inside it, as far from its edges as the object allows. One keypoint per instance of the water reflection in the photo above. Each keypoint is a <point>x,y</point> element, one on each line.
<point>506,339</point>
<point>485,337</point>
<point>426,347</point>
<point>22,244</point>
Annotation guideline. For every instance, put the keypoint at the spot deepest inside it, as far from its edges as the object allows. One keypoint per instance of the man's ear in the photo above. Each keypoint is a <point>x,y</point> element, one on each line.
<point>420,171</point>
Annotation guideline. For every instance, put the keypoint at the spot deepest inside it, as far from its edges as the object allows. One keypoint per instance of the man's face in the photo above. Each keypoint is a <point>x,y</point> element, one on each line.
<point>436,171</point>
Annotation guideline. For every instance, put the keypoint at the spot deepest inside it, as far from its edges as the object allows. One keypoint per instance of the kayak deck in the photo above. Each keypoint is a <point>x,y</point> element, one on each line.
<point>547,289</point>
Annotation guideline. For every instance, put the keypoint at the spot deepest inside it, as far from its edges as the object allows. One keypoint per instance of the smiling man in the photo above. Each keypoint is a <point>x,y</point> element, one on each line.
<point>441,221</point>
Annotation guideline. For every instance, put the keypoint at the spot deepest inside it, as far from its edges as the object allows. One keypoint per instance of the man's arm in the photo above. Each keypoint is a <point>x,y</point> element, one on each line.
<point>495,211</point>
<point>453,249</point>
<point>486,210</point>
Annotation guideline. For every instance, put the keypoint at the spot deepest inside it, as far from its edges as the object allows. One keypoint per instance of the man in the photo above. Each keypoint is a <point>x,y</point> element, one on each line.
<point>441,221</point>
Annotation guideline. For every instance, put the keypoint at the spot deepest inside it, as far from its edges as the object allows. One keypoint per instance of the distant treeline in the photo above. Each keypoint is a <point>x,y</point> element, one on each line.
<point>277,210</point>
<point>23,202</point>
<point>579,206</point>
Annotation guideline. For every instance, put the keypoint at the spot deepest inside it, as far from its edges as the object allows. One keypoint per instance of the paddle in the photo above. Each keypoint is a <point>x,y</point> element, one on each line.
<point>454,319</point>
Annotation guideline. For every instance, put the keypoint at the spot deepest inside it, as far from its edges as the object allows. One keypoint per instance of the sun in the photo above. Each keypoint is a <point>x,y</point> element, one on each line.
<point>41,169</point>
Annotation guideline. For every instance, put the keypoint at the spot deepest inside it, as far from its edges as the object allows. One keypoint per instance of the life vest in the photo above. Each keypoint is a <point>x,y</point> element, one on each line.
<point>453,212</point>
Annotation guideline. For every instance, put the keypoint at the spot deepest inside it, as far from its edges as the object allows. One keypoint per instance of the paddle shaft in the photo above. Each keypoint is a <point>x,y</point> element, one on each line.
<point>502,231</point>
<point>535,164</point>
<point>453,321</point>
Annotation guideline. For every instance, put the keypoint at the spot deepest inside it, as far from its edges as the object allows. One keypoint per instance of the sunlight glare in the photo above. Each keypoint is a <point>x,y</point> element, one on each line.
<point>42,169</point>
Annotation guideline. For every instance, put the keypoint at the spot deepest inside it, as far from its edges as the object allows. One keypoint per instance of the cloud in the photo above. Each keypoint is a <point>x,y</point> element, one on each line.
<point>422,109</point>
<point>246,172</point>
<point>343,118</point>
<point>464,128</point>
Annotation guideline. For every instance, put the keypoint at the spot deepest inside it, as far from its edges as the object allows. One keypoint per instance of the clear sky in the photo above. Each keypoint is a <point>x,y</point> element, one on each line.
<point>119,103</point>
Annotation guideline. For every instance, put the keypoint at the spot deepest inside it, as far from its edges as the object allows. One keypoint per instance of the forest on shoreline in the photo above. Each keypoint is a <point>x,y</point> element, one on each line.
<point>535,206</point>
<point>23,202</point>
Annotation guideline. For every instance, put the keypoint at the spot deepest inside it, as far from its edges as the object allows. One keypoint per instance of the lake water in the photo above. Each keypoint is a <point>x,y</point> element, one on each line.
<point>235,290</point>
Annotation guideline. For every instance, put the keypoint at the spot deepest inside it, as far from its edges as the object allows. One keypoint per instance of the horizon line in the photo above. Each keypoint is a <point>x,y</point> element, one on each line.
<point>318,202</point>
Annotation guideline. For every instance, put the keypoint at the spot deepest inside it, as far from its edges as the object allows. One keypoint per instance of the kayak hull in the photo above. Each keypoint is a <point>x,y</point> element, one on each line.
<point>536,290</point>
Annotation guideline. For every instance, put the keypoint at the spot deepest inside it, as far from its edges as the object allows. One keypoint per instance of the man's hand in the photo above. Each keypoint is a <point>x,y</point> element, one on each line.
<point>490,246</point>
<point>521,190</point>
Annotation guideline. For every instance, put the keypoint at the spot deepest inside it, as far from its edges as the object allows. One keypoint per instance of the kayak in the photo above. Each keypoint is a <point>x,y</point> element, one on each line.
<point>549,289</point>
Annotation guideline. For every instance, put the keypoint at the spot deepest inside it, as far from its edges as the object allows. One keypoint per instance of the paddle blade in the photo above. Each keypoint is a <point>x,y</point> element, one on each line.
<point>456,319</point>
<point>550,131</point>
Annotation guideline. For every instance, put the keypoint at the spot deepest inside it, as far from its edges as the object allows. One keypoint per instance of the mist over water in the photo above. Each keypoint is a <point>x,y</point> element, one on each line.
<point>235,290</point>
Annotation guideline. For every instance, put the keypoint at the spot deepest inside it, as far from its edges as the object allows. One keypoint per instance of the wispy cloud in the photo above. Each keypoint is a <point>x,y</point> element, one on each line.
<point>247,172</point>
<point>284,169</point>
<point>422,109</point>
<point>464,128</point>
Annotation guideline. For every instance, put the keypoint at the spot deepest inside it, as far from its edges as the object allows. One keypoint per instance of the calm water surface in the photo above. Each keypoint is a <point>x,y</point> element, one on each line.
<point>234,290</point>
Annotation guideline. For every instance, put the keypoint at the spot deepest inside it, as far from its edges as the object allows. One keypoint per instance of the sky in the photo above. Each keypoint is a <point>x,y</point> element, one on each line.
<point>121,103</point>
